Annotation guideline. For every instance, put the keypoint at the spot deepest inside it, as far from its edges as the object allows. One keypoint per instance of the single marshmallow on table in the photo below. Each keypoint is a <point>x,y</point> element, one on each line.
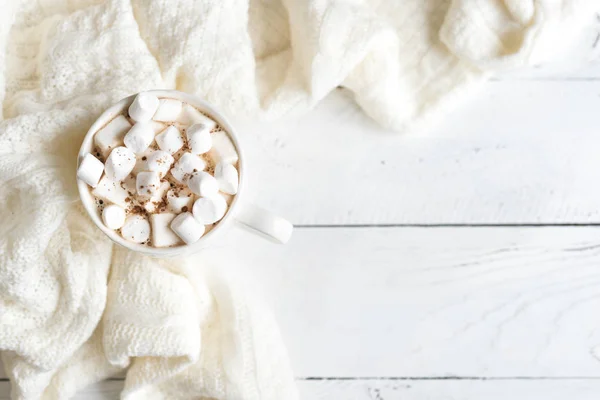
<point>136,229</point>
<point>187,227</point>
<point>111,135</point>
<point>168,110</point>
<point>139,137</point>
<point>147,183</point>
<point>187,164</point>
<point>170,140</point>
<point>156,199</point>
<point>159,161</point>
<point>143,107</point>
<point>179,198</point>
<point>203,184</point>
<point>162,235</point>
<point>208,210</point>
<point>190,116</point>
<point>223,149</point>
<point>199,139</point>
<point>90,170</point>
<point>227,176</point>
<point>113,216</point>
<point>111,191</point>
<point>120,163</point>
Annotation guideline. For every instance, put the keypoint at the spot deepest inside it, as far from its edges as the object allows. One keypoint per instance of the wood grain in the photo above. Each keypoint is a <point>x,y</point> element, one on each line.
<point>435,301</point>
<point>430,302</point>
<point>580,389</point>
<point>521,152</point>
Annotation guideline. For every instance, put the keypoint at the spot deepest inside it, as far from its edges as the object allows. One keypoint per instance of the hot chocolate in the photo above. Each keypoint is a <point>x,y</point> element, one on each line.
<point>163,173</point>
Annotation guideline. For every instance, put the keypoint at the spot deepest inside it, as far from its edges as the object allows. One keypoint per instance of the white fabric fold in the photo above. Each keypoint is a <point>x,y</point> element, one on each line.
<point>73,308</point>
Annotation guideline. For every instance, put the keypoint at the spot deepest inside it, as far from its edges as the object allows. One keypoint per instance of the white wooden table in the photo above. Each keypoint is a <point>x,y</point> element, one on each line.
<point>463,263</point>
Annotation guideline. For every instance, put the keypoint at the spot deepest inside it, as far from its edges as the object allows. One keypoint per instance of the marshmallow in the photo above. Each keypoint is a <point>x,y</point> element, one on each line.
<point>168,110</point>
<point>179,198</point>
<point>147,183</point>
<point>223,149</point>
<point>187,164</point>
<point>187,228</point>
<point>190,116</point>
<point>143,107</point>
<point>136,229</point>
<point>111,135</point>
<point>119,163</point>
<point>90,170</point>
<point>111,191</point>
<point>139,137</point>
<point>199,139</point>
<point>203,184</point>
<point>170,140</point>
<point>227,177</point>
<point>113,216</point>
<point>153,204</point>
<point>129,184</point>
<point>157,127</point>
<point>159,161</point>
<point>142,161</point>
<point>162,235</point>
<point>208,210</point>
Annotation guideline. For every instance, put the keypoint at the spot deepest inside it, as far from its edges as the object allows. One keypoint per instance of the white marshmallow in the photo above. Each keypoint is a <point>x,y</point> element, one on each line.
<point>113,216</point>
<point>159,161</point>
<point>136,229</point>
<point>158,127</point>
<point>90,170</point>
<point>227,176</point>
<point>187,164</point>
<point>147,183</point>
<point>129,184</point>
<point>199,139</point>
<point>143,107</point>
<point>111,191</point>
<point>179,198</point>
<point>119,163</point>
<point>139,137</point>
<point>187,228</point>
<point>203,184</point>
<point>170,140</point>
<point>168,110</point>
<point>223,149</point>
<point>152,204</point>
<point>190,116</point>
<point>208,210</point>
<point>142,161</point>
<point>111,135</point>
<point>162,235</point>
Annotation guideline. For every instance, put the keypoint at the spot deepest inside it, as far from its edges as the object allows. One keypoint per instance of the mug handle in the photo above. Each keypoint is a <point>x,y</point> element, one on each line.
<point>273,227</point>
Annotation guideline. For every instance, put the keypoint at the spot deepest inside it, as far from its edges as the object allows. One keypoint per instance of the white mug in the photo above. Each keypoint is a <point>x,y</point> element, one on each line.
<point>261,221</point>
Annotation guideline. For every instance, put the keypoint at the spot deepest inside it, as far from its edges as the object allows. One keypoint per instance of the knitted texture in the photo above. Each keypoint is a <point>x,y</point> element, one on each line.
<point>75,309</point>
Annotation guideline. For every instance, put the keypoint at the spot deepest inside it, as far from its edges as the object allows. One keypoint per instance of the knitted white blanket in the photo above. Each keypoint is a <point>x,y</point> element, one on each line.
<point>73,308</point>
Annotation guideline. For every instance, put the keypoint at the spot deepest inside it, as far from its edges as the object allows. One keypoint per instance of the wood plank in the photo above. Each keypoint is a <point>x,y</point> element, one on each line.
<point>450,389</point>
<point>519,152</point>
<point>535,389</point>
<point>374,302</point>
<point>430,302</point>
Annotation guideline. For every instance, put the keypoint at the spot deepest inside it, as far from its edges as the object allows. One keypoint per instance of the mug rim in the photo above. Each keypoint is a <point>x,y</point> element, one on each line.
<point>88,200</point>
